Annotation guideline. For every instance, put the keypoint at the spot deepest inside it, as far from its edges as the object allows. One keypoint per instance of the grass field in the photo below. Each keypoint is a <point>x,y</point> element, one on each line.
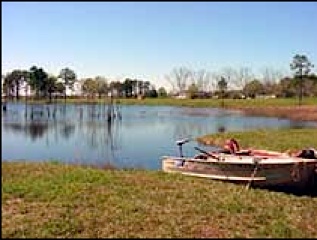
<point>217,102</point>
<point>279,140</point>
<point>273,102</point>
<point>55,200</point>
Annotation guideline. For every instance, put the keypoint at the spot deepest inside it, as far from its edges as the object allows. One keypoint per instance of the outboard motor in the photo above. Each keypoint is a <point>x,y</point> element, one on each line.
<point>180,144</point>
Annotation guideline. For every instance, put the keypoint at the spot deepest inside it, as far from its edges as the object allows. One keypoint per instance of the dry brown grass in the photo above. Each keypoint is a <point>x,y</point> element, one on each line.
<point>304,113</point>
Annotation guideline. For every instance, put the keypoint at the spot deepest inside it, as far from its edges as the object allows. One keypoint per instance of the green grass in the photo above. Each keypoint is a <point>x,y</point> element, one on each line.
<point>47,200</point>
<point>197,102</point>
<point>217,102</point>
<point>56,200</point>
<point>279,140</point>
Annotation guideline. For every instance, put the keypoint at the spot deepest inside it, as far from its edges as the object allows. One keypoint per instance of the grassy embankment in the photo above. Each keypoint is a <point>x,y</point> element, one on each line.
<point>280,140</point>
<point>229,103</point>
<point>194,102</point>
<point>56,200</point>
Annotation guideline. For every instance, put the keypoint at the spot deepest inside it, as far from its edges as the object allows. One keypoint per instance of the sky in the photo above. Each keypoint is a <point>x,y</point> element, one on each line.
<point>146,40</point>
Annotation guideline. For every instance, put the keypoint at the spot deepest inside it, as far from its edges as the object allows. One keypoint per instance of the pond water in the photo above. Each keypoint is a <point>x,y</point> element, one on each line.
<point>138,138</point>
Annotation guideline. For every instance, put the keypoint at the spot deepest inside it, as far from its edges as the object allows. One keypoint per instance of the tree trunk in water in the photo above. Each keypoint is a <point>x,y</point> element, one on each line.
<point>26,95</point>
<point>300,91</point>
<point>17,91</point>
<point>300,86</point>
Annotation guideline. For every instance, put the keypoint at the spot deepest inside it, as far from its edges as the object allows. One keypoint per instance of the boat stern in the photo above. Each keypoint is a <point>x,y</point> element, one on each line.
<point>171,164</point>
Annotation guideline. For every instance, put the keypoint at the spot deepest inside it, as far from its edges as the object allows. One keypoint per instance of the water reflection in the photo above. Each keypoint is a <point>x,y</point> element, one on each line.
<point>82,134</point>
<point>33,130</point>
<point>221,129</point>
<point>67,130</point>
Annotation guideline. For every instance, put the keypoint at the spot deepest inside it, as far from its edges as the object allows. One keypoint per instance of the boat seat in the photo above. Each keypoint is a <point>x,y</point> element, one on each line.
<point>201,156</point>
<point>243,153</point>
<point>308,154</point>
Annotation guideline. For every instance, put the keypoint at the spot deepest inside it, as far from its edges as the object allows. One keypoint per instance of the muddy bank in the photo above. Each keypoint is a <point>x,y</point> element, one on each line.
<point>304,113</point>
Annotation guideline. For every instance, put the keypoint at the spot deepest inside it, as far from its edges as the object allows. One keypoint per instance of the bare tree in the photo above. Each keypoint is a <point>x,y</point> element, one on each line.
<point>270,78</point>
<point>201,79</point>
<point>215,78</point>
<point>271,75</point>
<point>243,77</point>
<point>179,78</point>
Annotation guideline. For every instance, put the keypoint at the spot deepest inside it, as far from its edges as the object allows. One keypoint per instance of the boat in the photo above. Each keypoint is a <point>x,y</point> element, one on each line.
<point>257,168</point>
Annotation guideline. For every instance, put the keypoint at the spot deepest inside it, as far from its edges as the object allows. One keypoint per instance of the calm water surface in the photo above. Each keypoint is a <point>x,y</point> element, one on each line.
<point>81,134</point>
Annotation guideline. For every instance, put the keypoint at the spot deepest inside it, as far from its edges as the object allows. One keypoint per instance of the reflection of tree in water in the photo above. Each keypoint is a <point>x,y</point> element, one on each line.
<point>35,120</point>
<point>67,130</point>
<point>103,136</point>
<point>300,125</point>
<point>185,130</point>
<point>91,134</point>
<point>113,136</point>
<point>221,129</point>
<point>37,130</point>
<point>33,129</point>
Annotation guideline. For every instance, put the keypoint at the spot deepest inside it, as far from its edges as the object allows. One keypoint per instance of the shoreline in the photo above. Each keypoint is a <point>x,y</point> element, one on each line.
<point>298,113</point>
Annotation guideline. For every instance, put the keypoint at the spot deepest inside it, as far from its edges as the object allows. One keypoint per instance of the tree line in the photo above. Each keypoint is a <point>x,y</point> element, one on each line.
<point>228,83</point>
<point>42,83</point>
<point>45,85</point>
<point>242,83</point>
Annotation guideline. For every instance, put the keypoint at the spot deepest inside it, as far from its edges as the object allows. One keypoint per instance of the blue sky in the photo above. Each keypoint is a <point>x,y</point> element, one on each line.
<point>147,40</point>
